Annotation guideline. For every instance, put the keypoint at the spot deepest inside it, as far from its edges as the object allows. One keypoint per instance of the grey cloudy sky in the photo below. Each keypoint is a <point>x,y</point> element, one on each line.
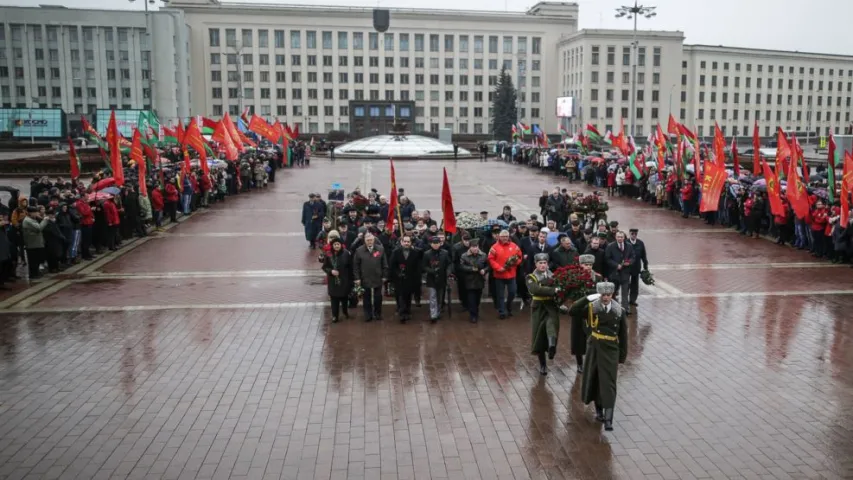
<point>815,26</point>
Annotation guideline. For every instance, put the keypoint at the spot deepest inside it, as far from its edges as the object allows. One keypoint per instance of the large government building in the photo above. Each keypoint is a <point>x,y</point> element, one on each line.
<point>327,68</point>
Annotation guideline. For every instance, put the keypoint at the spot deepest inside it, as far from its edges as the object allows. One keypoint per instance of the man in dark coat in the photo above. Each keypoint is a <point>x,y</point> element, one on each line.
<point>639,258</point>
<point>405,275</point>
<point>436,265</point>
<point>370,269</point>
<point>619,256</point>
<point>312,219</point>
<point>564,255</point>
<point>456,253</point>
<point>473,268</point>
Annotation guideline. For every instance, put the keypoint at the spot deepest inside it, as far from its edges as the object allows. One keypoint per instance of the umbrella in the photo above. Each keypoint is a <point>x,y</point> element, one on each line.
<point>102,184</point>
<point>612,167</point>
<point>94,197</point>
<point>110,190</point>
<point>553,238</point>
<point>495,221</point>
<point>597,160</point>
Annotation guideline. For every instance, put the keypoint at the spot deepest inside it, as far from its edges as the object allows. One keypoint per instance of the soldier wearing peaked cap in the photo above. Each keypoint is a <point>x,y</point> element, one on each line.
<point>607,347</point>
<point>544,311</point>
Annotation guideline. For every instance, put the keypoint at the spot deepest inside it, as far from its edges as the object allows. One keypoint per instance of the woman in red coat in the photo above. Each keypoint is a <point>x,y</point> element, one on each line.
<point>820,219</point>
<point>172,197</point>
<point>687,198</point>
<point>611,182</point>
<point>157,205</point>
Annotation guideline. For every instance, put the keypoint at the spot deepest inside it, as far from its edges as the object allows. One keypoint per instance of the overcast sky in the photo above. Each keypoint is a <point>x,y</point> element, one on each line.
<point>815,26</point>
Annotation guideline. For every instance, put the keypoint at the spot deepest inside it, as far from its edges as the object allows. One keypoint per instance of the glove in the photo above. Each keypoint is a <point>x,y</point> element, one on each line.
<point>593,297</point>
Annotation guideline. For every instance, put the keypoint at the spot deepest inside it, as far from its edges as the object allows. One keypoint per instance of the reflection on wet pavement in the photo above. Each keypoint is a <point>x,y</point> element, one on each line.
<point>727,378</point>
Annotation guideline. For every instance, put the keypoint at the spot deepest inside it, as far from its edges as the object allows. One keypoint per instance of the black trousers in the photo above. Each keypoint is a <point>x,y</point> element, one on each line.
<point>112,235</point>
<point>338,304</point>
<point>35,256</point>
<point>404,301</point>
<point>634,287</point>
<point>172,211</point>
<point>86,241</point>
<point>622,285</point>
<point>473,302</point>
<point>372,302</point>
<point>462,292</point>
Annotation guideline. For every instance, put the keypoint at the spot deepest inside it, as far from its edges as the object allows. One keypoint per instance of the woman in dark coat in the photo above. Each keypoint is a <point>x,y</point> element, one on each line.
<point>338,268</point>
<point>54,243</point>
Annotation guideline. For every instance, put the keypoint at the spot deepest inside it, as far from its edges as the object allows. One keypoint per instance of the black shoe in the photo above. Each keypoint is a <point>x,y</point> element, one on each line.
<point>368,319</point>
<point>474,319</point>
<point>509,313</point>
<point>552,347</point>
<point>608,419</point>
<point>543,370</point>
<point>346,315</point>
<point>599,415</point>
<point>377,317</point>
<point>634,303</point>
<point>580,368</point>
<point>502,316</point>
<point>334,319</point>
<point>433,320</point>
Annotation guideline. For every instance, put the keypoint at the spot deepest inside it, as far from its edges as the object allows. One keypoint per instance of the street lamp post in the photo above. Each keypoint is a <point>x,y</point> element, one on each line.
<point>632,13</point>
<point>670,98</point>
<point>151,76</point>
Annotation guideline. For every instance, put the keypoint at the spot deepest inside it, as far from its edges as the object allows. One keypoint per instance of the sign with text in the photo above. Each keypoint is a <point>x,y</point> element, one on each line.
<point>36,122</point>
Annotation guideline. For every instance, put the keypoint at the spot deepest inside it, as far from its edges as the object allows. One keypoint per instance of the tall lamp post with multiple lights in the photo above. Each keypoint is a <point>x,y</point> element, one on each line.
<point>632,13</point>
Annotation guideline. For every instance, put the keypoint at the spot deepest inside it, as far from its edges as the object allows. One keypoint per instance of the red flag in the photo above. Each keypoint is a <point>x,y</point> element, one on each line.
<point>783,152</point>
<point>830,170</point>
<point>735,158</point>
<point>797,191</point>
<point>776,206</point>
<point>846,187</point>
<point>449,214</point>
<point>712,186</point>
<point>232,131</point>
<point>187,166</point>
<point>393,203</point>
<point>179,132</point>
<point>223,137</point>
<point>719,146</point>
<point>264,129</point>
<point>143,173</point>
<point>193,138</point>
<point>113,142</point>
<point>756,151</point>
<point>672,126</point>
<point>798,153</point>
<point>295,130</point>
<point>74,159</point>
<point>136,148</point>
<point>245,115</point>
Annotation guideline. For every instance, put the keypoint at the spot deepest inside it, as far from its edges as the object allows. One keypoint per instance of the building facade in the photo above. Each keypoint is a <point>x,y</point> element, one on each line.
<point>304,65</point>
<point>82,60</point>
<point>702,85</point>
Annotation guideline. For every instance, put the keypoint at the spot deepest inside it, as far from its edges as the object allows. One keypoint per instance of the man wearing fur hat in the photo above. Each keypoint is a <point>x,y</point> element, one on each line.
<point>544,311</point>
<point>578,343</point>
<point>607,347</point>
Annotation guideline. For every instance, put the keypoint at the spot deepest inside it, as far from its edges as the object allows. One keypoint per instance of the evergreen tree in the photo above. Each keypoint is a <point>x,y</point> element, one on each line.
<point>504,112</point>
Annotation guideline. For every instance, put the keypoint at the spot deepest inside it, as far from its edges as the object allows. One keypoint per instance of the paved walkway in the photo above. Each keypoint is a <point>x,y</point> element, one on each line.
<point>206,352</point>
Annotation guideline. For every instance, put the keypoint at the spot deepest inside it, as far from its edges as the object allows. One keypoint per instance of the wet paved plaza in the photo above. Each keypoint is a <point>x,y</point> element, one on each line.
<point>207,352</point>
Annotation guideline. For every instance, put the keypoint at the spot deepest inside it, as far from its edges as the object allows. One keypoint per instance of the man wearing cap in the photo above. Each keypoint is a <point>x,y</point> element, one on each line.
<point>578,344</point>
<point>607,347</point>
<point>639,258</point>
<point>614,229</point>
<point>436,265</point>
<point>473,268</point>
<point>544,312</point>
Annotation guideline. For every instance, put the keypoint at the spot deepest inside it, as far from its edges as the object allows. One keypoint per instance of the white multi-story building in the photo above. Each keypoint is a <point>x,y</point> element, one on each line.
<point>305,64</point>
<point>84,60</point>
<point>700,85</point>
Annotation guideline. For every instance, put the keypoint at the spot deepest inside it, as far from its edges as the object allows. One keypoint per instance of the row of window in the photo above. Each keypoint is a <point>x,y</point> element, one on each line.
<point>360,111</point>
<point>344,94</point>
<point>41,73</point>
<point>769,99</point>
<point>745,131</point>
<point>359,78</point>
<point>759,83</point>
<point>358,61</point>
<point>390,41</point>
<point>17,33</point>
<point>77,92</point>
<point>626,56</point>
<point>798,116</point>
<point>781,69</point>
<point>74,54</point>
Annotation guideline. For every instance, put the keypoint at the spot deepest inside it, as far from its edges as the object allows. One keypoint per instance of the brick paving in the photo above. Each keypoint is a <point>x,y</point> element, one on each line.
<point>246,380</point>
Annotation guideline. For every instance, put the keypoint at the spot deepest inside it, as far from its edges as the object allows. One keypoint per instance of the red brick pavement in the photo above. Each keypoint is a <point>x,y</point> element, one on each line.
<point>755,386</point>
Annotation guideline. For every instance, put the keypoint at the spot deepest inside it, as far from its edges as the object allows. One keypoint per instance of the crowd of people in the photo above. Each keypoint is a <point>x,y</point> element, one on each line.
<point>365,260</point>
<point>743,203</point>
<point>63,222</point>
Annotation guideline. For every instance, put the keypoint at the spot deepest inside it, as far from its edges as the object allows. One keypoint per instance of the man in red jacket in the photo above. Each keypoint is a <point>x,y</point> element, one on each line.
<point>687,198</point>
<point>87,220</point>
<point>113,222</point>
<point>504,258</point>
<point>157,205</point>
